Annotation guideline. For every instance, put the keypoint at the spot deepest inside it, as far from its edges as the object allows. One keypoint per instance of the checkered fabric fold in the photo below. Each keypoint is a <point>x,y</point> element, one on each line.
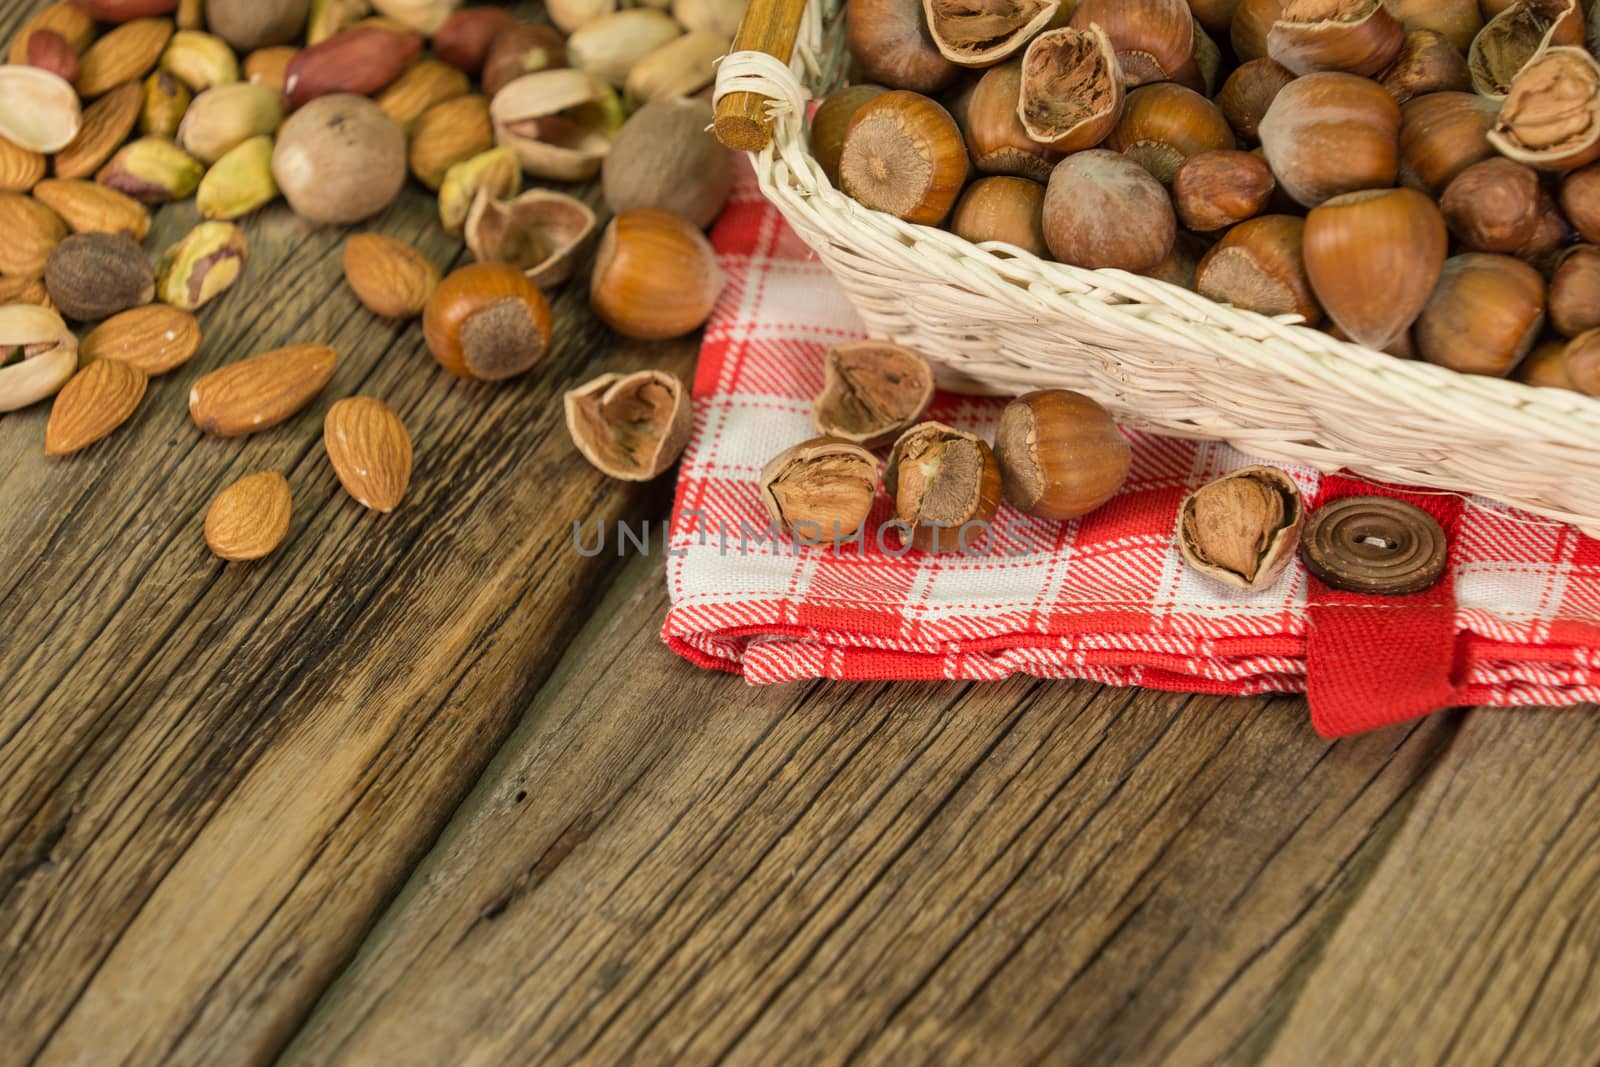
<point>1515,621</point>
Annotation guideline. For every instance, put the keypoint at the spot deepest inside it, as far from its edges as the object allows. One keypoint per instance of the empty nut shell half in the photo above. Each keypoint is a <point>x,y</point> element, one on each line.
<point>1551,117</point>
<point>821,489</point>
<point>1372,544</point>
<point>873,391</point>
<point>631,426</point>
<point>541,233</point>
<point>974,35</point>
<point>1242,529</point>
<point>1072,94</point>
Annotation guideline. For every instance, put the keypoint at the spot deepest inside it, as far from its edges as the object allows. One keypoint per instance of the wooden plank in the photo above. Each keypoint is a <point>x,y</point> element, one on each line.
<point>660,866</point>
<point>211,777</point>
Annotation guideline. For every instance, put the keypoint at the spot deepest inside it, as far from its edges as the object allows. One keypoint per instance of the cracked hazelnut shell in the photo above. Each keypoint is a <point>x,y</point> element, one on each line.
<point>630,426</point>
<point>945,484</point>
<point>872,392</point>
<point>1070,95</point>
<point>821,490</point>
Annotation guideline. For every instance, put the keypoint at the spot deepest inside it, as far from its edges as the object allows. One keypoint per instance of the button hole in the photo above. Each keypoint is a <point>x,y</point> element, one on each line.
<point>1375,541</point>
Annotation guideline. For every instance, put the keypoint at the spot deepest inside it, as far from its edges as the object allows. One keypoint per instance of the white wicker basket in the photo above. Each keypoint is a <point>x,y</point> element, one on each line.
<point>1163,359</point>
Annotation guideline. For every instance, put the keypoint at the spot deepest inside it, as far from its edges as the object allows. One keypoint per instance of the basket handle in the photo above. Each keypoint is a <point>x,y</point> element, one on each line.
<point>769,26</point>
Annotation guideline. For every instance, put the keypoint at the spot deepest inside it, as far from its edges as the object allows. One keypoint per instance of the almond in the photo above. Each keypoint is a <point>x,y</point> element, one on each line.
<point>123,10</point>
<point>370,451</point>
<point>24,291</point>
<point>389,277</point>
<point>250,518</point>
<point>20,169</point>
<point>155,338</point>
<point>448,133</point>
<point>362,60</point>
<point>65,18</point>
<point>29,232</point>
<point>269,66</point>
<point>424,85</point>
<point>260,392</point>
<point>106,124</point>
<point>126,53</point>
<point>95,401</point>
<point>89,207</point>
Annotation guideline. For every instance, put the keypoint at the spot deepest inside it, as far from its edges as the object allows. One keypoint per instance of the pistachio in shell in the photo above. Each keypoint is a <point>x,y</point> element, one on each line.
<point>872,392</point>
<point>92,276</point>
<point>339,159</point>
<point>46,354</point>
<point>541,231</point>
<point>666,157</point>
<point>560,123</point>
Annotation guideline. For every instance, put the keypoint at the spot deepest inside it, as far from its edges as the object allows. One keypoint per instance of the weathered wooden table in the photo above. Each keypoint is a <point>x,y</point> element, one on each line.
<point>427,788</point>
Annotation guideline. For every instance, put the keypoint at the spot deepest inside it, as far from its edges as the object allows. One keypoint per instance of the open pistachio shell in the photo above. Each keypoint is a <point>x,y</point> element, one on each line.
<point>38,110</point>
<point>560,123</point>
<point>540,231</point>
<point>48,350</point>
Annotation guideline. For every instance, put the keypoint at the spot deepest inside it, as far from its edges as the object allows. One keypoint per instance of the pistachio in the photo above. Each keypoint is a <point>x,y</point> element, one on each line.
<point>201,266</point>
<point>152,170</point>
<point>92,276</point>
<point>612,44</point>
<point>39,110</point>
<point>165,100</point>
<point>495,171</point>
<point>239,182</point>
<point>681,67</point>
<point>540,231</point>
<point>200,60</point>
<point>560,123</point>
<point>421,16</point>
<point>332,17</point>
<point>37,355</point>
<point>229,115</point>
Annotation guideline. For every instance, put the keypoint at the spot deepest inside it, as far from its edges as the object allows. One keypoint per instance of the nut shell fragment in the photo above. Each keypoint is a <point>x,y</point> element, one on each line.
<point>541,232</point>
<point>633,426</point>
<point>981,33</point>
<point>1072,94</point>
<point>945,484</point>
<point>1551,117</point>
<point>1243,528</point>
<point>872,392</point>
<point>821,489</point>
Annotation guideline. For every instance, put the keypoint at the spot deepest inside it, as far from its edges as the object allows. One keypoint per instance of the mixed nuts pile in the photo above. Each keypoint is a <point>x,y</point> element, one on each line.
<point>1415,175</point>
<point>109,108</point>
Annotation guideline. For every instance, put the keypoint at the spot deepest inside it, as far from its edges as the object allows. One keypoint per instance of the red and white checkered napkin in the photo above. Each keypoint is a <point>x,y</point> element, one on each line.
<point>1515,621</point>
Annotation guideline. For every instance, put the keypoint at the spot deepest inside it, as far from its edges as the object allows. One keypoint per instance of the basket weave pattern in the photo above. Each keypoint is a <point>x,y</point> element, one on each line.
<point>997,319</point>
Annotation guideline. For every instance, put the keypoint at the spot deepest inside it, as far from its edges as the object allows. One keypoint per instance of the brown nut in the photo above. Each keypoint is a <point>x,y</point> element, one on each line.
<point>32,231</point>
<point>20,168</point>
<point>1242,529</point>
<point>258,393</point>
<point>1551,117</point>
<point>994,127</point>
<point>1581,362</point>
<point>363,60</point>
<point>889,38</point>
<point>422,86</point>
<point>976,37</point>
<point>1575,291</point>
<point>92,276</point>
<point>1484,316</point>
<point>63,17</point>
<point>466,37</point>
<point>1102,209</point>
<point>1060,453</point>
<point>523,49</point>
<point>447,134</point>
<point>821,490</point>
<point>1515,36</point>
<point>89,207</point>
<point>1180,265</point>
<point>487,321</point>
<point>1456,21</point>
<point>248,24</point>
<point>1428,63</point>
<point>1442,134</point>
<point>1002,208</point>
<point>903,154</point>
<point>390,278</point>
<point>1214,190</point>
<point>153,337</point>
<point>95,401</point>
<point>269,66</point>
<point>250,518</point>
<point>1070,95</point>
<point>1358,36</point>
<point>540,232</point>
<point>1546,366</point>
<point>1252,21</point>
<point>872,392</point>
<point>369,450</point>
<point>655,276</point>
<point>127,53</point>
<point>633,426</point>
<point>1260,266</point>
<point>1164,124</point>
<point>1495,205</point>
<point>1331,133</point>
<point>1249,92</point>
<point>1373,258</point>
<point>339,159</point>
<point>945,485</point>
<point>831,119</point>
<point>666,157</point>
<point>1153,39</point>
<point>1580,199</point>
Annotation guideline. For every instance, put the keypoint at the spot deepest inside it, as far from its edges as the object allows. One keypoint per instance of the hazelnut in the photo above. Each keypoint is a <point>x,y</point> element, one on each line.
<point>1551,117</point>
<point>821,489</point>
<point>1002,208</point>
<point>1102,209</point>
<point>1153,39</point>
<point>522,48</point>
<point>1456,21</point>
<point>1331,133</point>
<point>1164,124</point>
<point>1546,366</point>
<point>1581,357</point>
<point>945,484</point>
<point>251,24</point>
<point>993,125</point>
<point>1494,205</point>
<point>903,154</point>
<point>1252,21</point>
<point>1260,266</point>
<point>1484,316</point>
<point>1373,258</point>
<point>831,119</point>
<point>632,426</point>
<point>1214,190</point>
<point>1242,529</point>
<point>1060,453</point>
<point>465,38</point>
<point>1575,291</point>
<point>666,157</point>
<point>92,276</point>
<point>339,159</point>
<point>486,321</point>
<point>1427,63</point>
<point>1580,199</point>
<point>1358,36</point>
<point>890,40</point>
<point>983,36</point>
<point>872,392</point>
<point>655,275</point>
<point>1249,92</point>
<point>1071,92</point>
<point>1180,265</point>
<point>1215,15</point>
<point>1442,134</point>
<point>1514,36</point>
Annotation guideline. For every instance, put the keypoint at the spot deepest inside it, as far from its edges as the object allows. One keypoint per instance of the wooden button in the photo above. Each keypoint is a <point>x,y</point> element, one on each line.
<point>1372,544</point>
